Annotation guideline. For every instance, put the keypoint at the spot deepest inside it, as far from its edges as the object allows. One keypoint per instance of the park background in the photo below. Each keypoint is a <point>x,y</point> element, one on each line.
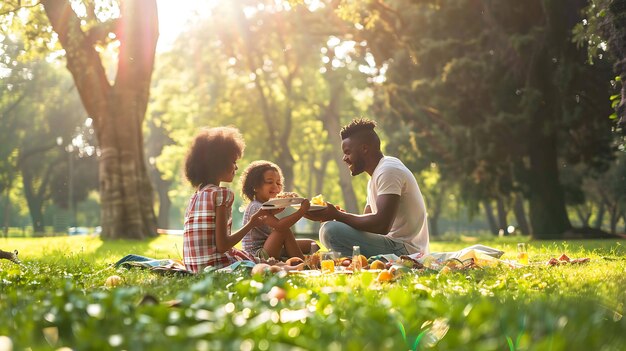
<point>504,112</point>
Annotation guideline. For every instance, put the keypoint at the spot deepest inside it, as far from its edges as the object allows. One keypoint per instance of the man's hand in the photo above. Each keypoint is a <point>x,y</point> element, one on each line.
<point>328,214</point>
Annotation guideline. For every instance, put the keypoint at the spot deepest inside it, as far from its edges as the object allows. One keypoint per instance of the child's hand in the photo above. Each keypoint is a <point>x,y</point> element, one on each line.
<point>305,205</point>
<point>258,218</point>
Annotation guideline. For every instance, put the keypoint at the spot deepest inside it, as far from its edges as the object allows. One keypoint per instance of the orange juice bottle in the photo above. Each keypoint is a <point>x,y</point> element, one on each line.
<point>522,254</point>
<point>328,266</point>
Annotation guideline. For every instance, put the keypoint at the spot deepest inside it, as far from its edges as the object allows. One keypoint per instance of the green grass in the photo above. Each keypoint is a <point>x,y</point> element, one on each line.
<point>58,299</point>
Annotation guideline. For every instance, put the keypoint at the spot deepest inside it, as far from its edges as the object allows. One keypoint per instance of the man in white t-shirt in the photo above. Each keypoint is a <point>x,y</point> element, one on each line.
<point>394,219</point>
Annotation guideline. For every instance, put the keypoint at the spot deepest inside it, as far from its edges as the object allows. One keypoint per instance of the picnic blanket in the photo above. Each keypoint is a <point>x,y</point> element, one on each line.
<point>480,254</point>
<point>169,265</point>
<point>166,265</point>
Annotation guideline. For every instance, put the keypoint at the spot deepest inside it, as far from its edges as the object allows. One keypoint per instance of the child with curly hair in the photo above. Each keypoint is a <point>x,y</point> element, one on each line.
<point>208,240</point>
<point>261,181</point>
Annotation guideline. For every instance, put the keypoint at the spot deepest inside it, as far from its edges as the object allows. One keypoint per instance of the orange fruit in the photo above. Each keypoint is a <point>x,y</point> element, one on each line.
<point>377,265</point>
<point>363,260</point>
<point>384,276</point>
<point>113,280</point>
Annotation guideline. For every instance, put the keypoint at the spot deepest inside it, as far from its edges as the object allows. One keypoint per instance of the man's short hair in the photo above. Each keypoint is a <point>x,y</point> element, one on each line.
<point>357,125</point>
<point>361,129</point>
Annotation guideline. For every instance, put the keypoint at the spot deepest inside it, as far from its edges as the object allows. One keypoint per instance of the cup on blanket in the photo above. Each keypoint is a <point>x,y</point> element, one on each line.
<point>328,261</point>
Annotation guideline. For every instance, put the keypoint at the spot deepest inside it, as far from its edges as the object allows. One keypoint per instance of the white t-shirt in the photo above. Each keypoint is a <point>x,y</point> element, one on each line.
<point>410,226</point>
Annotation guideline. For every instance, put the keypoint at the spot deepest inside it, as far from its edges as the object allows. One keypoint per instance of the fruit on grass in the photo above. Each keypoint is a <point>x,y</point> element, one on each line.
<point>113,280</point>
<point>384,276</point>
<point>363,260</point>
<point>377,265</point>
<point>277,293</point>
<point>260,268</point>
<point>445,270</point>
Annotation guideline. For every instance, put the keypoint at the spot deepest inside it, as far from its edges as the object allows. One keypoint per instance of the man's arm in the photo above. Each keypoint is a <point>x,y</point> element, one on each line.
<point>379,222</point>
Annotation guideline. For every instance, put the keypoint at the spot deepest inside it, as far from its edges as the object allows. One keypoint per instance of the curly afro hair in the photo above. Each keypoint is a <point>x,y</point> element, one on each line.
<point>211,153</point>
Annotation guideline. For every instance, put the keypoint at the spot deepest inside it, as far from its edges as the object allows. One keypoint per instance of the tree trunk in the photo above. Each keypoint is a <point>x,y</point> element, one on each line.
<point>330,119</point>
<point>597,223</point>
<point>583,217</point>
<point>34,203</point>
<point>614,216</point>
<point>502,212</point>
<point>35,197</point>
<point>118,111</point>
<point>548,216</point>
<point>7,212</point>
<point>520,214</point>
<point>435,210</point>
<point>491,219</point>
<point>320,176</point>
<point>543,105</point>
<point>165,204</point>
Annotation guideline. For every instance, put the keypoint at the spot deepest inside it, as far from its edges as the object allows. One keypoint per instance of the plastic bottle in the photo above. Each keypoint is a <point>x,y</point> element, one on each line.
<point>356,259</point>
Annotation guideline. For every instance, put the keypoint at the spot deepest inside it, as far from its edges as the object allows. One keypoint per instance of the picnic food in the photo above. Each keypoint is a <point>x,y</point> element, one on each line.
<point>564,259</point>
<point>294,261</point>
<point>260,268</point>
<point>113,280</point>
<point>377,265</point>
<point>363,261</point>
<point>313,260</point>
<point>384,276</point>
<point>287,195</point>
<point>318,200</point>
<point>277,293</point>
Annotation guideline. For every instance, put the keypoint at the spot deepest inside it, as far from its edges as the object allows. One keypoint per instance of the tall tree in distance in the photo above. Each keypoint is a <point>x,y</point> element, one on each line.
<point>117,108</point>
<point>495,93</point>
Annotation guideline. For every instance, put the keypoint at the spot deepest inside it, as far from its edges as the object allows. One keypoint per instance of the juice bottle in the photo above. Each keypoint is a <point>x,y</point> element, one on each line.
<point>356,259</point>
<point>522,254</point>
<point>328,266</point>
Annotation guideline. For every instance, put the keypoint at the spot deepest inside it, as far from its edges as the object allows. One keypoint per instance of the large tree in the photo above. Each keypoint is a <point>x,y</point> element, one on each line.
<point>495,93</point>
<point>118,107</point>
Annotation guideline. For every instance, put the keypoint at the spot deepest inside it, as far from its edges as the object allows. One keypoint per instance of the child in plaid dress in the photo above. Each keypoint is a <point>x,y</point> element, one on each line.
<point>207,239</point>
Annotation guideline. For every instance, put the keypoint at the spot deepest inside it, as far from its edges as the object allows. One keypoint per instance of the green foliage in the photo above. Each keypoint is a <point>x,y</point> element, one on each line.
<point>58,299</point>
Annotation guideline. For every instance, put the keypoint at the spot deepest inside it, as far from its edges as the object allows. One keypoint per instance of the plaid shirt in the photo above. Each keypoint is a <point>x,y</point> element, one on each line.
<point>199,245</point>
